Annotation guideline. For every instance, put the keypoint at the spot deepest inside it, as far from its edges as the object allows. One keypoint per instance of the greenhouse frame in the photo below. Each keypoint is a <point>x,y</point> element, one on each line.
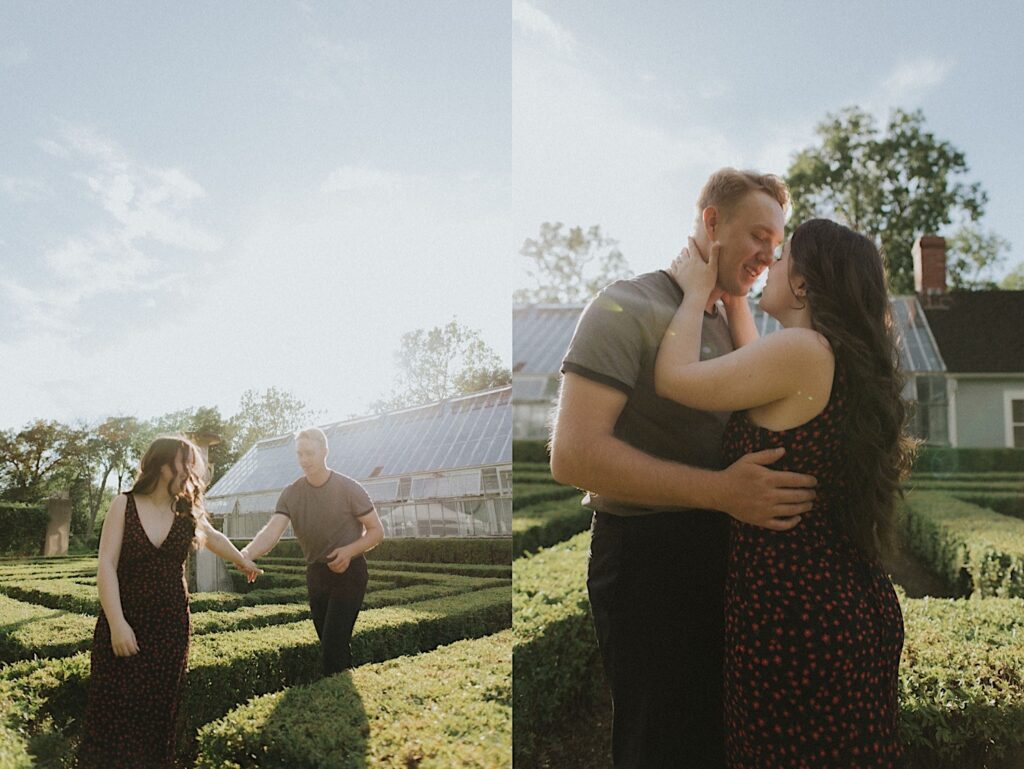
<point>443,469</point>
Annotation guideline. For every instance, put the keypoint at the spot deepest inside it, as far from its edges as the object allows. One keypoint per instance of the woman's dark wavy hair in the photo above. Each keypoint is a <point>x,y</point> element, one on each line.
<point>189,500</point>
<point>846,287</point>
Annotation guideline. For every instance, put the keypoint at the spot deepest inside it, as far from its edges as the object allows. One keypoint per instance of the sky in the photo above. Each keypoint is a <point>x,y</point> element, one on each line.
<point>201,199</point>
<point>621,111</point>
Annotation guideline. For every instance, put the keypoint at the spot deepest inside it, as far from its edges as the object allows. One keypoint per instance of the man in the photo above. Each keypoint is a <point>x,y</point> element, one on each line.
<point>654,474</point>
<point>335,523</point>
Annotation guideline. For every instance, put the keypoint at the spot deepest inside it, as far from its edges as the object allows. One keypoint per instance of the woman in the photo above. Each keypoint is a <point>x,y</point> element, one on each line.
<point>140,646</point>
<point>813,629</point>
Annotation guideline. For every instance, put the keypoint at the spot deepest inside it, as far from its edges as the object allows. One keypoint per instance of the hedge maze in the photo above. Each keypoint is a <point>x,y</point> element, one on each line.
<point>962,669</point>
<point>431,686</point>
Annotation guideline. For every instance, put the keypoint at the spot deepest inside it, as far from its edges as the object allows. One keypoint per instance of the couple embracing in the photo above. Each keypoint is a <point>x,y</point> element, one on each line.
<point>140,646</point>
<point>744,491</point>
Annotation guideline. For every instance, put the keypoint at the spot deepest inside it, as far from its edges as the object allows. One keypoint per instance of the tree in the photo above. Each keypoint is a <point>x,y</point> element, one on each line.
<point>108,449</point>
<point>570,266</point>
<point>442,362</point>
<point>30,458</point>
<point>893,186</point>
<point>266,414</point>
<point>1014,280</point>
<point>971,256</point>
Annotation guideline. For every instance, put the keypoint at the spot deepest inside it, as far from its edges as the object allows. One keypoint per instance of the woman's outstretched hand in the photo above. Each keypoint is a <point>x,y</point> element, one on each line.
<point>692,273</point>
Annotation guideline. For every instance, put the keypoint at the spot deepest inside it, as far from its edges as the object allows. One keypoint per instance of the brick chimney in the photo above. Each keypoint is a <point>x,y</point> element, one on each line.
<point>930,265</point>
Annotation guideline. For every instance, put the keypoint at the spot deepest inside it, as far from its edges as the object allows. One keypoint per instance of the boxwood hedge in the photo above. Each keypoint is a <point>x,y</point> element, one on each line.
<point>446,709</point>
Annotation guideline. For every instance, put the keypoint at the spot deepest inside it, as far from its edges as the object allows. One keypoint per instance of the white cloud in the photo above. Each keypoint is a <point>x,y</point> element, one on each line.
<point>143,230</point>
<point>913,78</point>
<point>533,22</point>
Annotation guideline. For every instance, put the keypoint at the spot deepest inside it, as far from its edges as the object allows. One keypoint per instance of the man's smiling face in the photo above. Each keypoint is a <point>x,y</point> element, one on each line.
<point>749,235</point>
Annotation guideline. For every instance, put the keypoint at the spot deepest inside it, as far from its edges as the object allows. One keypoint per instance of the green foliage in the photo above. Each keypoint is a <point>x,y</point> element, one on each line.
<point>445,550</point>
<point>46,699</point>
<point>976,551</point>
<point>22,528</point>
<point>30,457</point>
<point>1011,504</point>
<point>445,709</point>
<point>530,494</point>
<point>532,452</point>
<point>962,682</point>
<point>1014,279</point>
<point>266,414</point>
<point>569,266</point>
<point>442,362</point>
<point>554,657</point>
<point>428,550</point>
<point>547,523</point>
<point>972,258</point>
<point>938,461</point>
<point>894,185</point>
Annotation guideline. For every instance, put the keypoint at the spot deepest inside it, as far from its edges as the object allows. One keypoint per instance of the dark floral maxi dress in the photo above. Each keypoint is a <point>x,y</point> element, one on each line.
<point>813,628</point>
<point>133,701</point>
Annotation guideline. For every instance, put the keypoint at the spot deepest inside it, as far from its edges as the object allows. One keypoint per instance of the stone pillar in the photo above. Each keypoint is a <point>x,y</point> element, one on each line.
<point>59,527</point>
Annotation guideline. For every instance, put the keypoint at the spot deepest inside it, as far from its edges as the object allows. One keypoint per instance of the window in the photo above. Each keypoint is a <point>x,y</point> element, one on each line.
<point>931,414</point>
<point>1015,419</point>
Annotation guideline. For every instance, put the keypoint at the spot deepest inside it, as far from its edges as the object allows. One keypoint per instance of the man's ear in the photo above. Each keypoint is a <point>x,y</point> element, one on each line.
<point>710,218</point>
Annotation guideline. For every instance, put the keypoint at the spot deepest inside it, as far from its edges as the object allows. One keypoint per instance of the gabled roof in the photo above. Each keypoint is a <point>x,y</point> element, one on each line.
<point>979,332</point>
<point>470,431</point>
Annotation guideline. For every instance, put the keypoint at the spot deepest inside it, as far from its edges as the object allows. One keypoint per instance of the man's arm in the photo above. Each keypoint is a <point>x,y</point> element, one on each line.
<point>373,534</point>
<point>267,537</point>
<point>586,454</point>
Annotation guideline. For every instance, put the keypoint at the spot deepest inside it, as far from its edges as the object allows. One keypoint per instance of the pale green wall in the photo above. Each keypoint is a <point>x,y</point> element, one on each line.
<point>980,411</point>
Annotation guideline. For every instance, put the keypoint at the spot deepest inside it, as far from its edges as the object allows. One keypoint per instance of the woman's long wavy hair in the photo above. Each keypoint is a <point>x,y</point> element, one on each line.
<point>188,500</point>
<point>846,288</point>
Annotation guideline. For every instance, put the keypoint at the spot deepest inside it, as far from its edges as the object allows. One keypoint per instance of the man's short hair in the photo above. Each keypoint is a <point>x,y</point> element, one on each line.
<point>726,187</point>
<point>314,434</point>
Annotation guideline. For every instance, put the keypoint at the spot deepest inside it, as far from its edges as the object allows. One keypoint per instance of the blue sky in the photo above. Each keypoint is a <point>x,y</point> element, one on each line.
<point>621,111</point>
<point>200,199</point>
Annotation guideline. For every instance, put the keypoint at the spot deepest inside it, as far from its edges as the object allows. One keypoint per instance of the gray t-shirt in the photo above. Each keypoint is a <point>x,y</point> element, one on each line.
<point>616,343</point>
<point>325,517</point>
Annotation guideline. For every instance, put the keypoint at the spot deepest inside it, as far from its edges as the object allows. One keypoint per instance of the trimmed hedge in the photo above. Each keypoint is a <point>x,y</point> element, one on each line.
<point>47,698</point>
<point>445,709</point>
<point>1002,503</point>
<point>975,550</point>
<point>31,631</point>
<point>962,682</point>
<point>533,494</point>
<point>440,550</point>
<point>22,528</point>
<point>530,451</point>
<point>554,656</point>
<point>547,523</point>
<point>961,672</point>
<point>946,460</point>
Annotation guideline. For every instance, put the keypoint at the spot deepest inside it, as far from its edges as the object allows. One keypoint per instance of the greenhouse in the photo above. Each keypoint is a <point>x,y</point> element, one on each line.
<point>439,470</point>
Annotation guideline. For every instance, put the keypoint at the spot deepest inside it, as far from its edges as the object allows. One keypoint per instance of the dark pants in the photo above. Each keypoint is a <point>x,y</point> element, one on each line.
<point>656,585</point>
<point>334,602</point>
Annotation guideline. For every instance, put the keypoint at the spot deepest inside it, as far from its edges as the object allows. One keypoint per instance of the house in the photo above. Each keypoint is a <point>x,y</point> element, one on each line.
<point>981,337</point>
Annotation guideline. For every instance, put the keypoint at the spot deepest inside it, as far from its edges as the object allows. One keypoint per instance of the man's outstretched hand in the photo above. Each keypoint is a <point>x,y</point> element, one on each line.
<point>250,569</point>
<point>772,499</point>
